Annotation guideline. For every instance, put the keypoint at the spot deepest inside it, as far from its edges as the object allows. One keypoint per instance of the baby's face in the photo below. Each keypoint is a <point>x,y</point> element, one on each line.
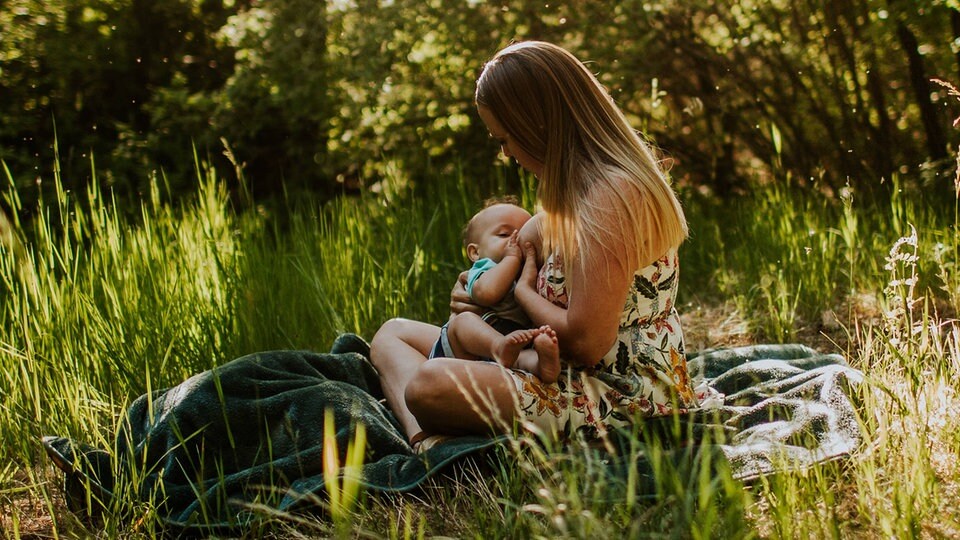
<point>492,229</point>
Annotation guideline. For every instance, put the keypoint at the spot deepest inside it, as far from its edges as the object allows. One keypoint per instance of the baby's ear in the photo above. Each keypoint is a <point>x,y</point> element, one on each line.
<point>473,252</point>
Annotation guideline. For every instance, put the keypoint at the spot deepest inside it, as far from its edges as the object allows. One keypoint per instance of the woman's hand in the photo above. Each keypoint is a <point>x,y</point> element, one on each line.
<point>460,301</point>
<point>528,275</point>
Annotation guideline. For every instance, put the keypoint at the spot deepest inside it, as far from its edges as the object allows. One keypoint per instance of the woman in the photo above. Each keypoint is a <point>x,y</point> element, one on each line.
<point>609,230</point>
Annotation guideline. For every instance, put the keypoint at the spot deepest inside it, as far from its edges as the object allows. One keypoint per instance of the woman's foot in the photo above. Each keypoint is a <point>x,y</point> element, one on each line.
<point>548,354</point>
<point>421,442</point>
<point>508,349</point>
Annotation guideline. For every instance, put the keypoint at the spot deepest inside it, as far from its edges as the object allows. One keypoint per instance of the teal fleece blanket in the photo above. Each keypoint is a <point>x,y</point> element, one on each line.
<point>250,432</point>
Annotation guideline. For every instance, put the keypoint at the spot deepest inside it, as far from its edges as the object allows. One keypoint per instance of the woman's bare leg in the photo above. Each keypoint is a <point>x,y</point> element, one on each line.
<point>397,350</point>
<point>453,397</point>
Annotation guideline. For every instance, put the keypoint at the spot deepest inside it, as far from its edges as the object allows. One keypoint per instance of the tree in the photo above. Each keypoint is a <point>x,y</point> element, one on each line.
<point>275,108</point>
<point>333,95</point>
<point>95,68</point>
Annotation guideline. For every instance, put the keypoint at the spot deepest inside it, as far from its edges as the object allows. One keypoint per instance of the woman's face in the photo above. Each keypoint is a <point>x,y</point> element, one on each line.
<point>508,145</point>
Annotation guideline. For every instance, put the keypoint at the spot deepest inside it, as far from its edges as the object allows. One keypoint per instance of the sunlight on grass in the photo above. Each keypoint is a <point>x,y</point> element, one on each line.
<point>342,491</point>
<point>100,304</point>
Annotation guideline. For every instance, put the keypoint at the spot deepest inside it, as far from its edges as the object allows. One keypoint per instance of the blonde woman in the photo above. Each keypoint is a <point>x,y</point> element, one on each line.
<point>600,268</point>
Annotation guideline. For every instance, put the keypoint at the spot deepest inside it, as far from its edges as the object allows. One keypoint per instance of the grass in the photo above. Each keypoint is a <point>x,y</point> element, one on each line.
<point>99,304</point>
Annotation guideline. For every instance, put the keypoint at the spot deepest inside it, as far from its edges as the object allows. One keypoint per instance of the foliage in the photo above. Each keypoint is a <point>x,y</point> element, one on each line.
<point>104,72</point>
<point>337,95</point>
<point>274,108</point>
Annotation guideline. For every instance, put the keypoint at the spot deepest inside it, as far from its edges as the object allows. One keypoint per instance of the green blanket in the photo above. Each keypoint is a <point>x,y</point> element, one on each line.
<point>251,431</point>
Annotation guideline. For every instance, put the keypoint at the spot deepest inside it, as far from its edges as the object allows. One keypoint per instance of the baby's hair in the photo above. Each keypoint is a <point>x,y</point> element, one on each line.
<point>491,201</point>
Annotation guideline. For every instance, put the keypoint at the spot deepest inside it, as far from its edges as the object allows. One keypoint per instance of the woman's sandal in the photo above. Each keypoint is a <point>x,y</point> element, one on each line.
<point>421,442</point>
<point>416,440</point>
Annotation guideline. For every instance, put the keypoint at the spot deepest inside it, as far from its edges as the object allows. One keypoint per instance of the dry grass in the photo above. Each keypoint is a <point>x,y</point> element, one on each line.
<point>448,505</point>
<point>24,513</point>
<point>101,297</point>
<point>443,506</point>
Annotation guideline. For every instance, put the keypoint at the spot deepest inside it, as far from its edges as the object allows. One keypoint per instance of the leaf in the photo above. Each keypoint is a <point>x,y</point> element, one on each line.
<point>667,283</point>
<point>623,358</point>
<point>645,287</point>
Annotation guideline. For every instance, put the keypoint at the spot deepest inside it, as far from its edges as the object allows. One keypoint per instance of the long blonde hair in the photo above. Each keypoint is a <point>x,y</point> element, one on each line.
<point>559,114</point>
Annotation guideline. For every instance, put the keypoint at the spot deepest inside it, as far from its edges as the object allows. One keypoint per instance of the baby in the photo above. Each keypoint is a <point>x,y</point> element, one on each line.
<point>502,333</point>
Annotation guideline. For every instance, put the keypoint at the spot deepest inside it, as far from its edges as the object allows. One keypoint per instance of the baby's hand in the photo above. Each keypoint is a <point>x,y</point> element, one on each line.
<point>513,246</point>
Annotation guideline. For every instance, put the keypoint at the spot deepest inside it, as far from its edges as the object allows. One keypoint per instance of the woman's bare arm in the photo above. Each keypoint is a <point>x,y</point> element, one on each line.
<point>598,292</point>
<point>597,289</point>
<point>588,327</point>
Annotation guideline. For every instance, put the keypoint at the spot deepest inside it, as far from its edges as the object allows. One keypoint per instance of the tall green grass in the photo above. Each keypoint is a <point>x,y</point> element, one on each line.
<point>100,303</point>
<point>785,254</point>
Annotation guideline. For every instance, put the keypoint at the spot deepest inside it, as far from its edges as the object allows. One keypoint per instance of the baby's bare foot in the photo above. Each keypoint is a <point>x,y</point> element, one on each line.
<point>548,354</point>
<point>508,349</point>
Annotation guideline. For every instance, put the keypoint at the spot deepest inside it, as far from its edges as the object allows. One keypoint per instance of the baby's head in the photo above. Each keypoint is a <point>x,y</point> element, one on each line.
<point>487,232</point>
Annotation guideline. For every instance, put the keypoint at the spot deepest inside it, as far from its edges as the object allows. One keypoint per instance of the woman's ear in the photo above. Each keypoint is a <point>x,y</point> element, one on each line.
<point>473,252</point>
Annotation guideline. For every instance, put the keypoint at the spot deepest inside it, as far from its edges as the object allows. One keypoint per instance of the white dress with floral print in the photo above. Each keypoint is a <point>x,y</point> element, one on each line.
<point>643,374</point>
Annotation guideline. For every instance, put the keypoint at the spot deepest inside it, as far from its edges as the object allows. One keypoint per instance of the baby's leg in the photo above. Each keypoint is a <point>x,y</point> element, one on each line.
<point>510,346</point>
<point>544,360</point>
<point>467,335</point>
<point>471,337</point>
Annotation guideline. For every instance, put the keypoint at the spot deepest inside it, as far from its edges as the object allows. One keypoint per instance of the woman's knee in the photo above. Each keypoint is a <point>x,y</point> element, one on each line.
<point>391,329</point>
<point>445,396</point>
<point>441,382</point>
<point>388,336</point>
<point>434,388</point>
<point>403,340</point>
<point>422,390</point>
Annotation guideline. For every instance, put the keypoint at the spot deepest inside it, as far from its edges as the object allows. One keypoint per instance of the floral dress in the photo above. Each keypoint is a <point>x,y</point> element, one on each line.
<point>643,374</point>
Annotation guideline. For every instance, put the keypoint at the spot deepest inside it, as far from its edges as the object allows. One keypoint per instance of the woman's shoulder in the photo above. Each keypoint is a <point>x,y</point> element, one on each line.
<point>645,215</point>
<point>614,195</point>
<point>613,207</point>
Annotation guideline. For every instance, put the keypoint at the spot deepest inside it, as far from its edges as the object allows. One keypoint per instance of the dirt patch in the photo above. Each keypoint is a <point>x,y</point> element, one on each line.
<point>26,503</point>
<point>707,327</point>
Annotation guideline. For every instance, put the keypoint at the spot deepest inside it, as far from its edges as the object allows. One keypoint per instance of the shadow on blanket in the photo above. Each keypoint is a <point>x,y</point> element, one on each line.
<point>251,431</point>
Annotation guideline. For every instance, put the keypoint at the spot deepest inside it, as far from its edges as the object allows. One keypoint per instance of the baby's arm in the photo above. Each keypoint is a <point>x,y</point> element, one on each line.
<point>494,284</point>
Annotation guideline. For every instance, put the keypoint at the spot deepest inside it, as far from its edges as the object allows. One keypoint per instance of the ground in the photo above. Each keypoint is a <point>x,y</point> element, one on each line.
<point>704,326</point>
